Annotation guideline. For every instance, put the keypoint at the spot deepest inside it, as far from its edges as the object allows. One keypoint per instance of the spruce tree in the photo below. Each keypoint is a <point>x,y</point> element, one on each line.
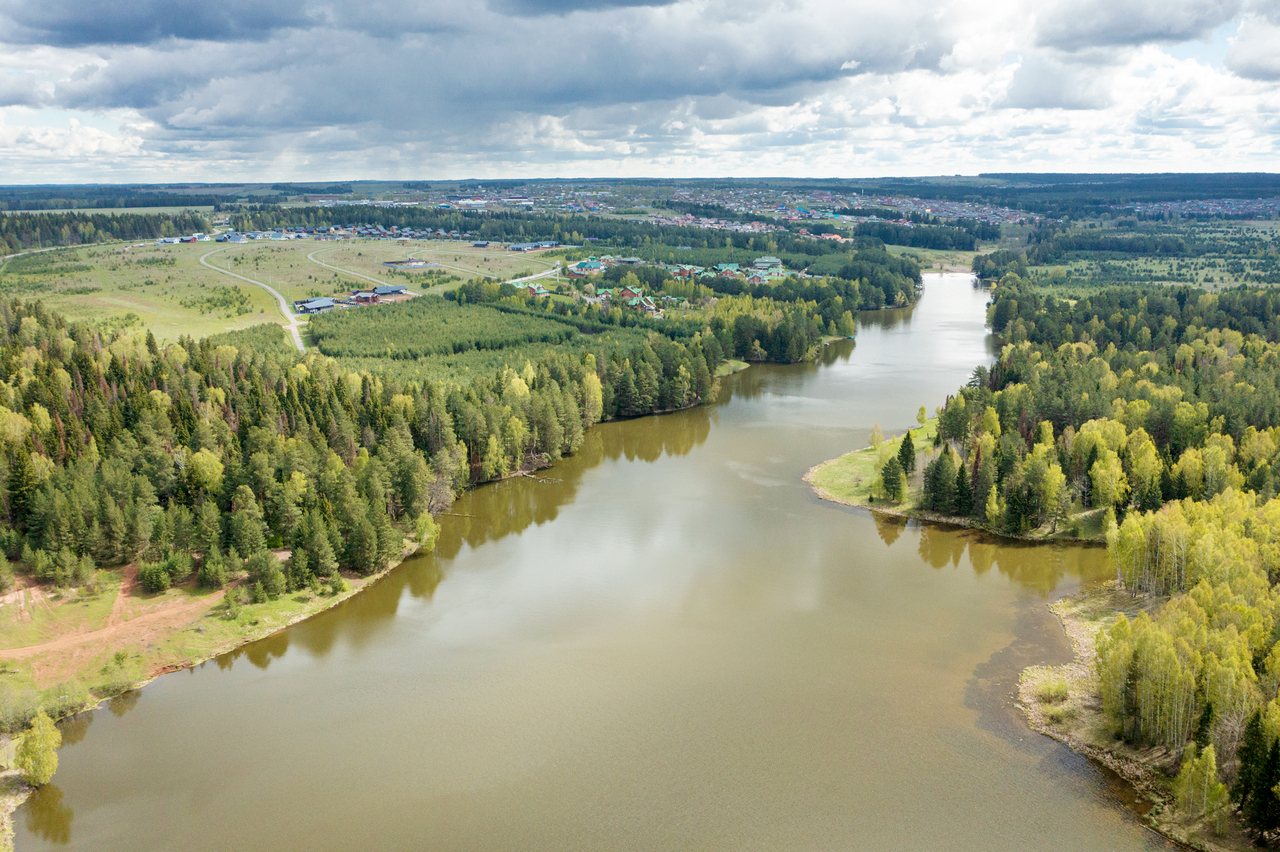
<point>22,487</point>
<point>963,504</point>
<point>1251,753</point>
<point>1263,810</point>
<point>894,482</point>
<point>907,454</point>
<point>1204,726</point>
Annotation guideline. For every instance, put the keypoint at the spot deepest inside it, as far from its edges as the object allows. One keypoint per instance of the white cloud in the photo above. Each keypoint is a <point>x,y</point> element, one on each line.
<point>690,87</point>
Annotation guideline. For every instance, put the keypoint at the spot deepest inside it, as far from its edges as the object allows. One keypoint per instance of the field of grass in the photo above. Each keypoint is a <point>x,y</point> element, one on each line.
<point>462,259</point>
<point>31,616</point>
<point>163,288</point>
<point>848,479</point>
<point>938,260</point>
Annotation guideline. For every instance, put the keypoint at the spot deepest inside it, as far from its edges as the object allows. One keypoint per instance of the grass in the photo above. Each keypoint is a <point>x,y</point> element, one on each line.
<point>161,288</point>
<point>36,616</point>
<point>932,260</point>
<point>848,479</point>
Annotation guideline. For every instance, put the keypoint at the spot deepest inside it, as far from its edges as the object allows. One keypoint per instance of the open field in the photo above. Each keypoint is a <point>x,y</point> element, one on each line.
<point>167,290</point>
<point>163,288</point>
<point>939,259</point>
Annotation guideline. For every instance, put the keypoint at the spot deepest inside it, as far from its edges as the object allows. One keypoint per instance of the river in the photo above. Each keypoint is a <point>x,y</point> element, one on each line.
<point>666,642</point>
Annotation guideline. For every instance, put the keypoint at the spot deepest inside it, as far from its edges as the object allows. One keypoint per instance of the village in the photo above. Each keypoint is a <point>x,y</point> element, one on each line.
<point>581,282</point>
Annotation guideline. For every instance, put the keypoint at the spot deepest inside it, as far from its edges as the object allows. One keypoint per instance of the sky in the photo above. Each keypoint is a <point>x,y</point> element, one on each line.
<point>189,90</point>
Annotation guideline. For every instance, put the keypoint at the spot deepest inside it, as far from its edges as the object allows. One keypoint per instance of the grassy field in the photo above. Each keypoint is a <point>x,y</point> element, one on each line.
<point>31,616</point>
<point>463,366</point>
<point>167,290</point>
<point>163,288</point>
<point>937,260</point>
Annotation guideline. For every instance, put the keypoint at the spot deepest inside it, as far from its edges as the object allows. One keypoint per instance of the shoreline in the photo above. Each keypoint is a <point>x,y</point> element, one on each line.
<point>911,513</point>
<point>14,790</point>
<point>1073,716</point>
<point>1061,701</point>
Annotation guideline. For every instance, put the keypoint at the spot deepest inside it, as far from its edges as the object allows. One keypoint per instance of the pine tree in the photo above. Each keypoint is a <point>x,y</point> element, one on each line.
<point>1204,727</point>
<point>37,757</point>
<point>1262,813</point>
<point>963,504</point>
<point>907,454</point>
<point>894,482</point>
<point>22,488</point>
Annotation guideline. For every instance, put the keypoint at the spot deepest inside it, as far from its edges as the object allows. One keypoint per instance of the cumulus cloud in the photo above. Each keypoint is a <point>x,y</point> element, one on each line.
<point>536,87</point>
<point>1075,25</point>
<point>1254,53</point>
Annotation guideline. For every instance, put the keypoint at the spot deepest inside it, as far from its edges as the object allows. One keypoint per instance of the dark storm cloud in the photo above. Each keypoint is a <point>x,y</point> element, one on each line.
<point>434,83</point>
<point>1094,23</point>
<point>74,23</point>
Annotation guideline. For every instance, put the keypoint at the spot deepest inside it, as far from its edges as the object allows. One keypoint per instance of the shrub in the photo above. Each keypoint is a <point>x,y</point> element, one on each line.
<point>1052,692</point>
<point>153,577</point>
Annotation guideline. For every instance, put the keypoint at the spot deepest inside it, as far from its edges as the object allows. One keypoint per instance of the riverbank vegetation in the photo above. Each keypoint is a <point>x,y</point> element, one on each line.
<point>1157,409</point>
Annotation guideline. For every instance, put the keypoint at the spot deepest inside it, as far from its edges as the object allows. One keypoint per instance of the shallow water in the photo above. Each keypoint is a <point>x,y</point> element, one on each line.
<point>665,642</point>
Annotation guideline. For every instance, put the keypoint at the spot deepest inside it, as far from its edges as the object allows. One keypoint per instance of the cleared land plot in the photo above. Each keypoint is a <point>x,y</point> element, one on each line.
<point>163,288</point>
<point>460,259</point>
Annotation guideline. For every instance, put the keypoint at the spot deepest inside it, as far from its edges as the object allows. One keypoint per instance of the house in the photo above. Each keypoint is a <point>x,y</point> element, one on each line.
<point>534,288</point>
<point>389,290</point>
<point>757,278</point>
<point>315,306</point>
<point>365,297</point>
<point>476,244</point>
<point>629,293</point>
<point>767,262</point>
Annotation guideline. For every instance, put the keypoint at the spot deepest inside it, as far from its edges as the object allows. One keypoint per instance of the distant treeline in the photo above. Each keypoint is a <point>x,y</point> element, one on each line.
<point>1077,196</point>
<point>518,227</point>
<point>22,231</point>
<point>110,202</point>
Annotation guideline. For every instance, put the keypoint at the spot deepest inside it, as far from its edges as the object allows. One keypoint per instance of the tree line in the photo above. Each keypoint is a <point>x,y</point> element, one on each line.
<point>1157,409</point>
<point>22,231</point>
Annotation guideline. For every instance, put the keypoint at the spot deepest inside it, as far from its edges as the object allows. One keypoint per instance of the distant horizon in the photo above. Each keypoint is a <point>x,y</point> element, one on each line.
<point>303,182</point>
<point>517,89</point>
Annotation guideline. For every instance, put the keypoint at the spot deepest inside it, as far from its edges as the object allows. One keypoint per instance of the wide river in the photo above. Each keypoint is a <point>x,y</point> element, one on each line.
<point>664,643</point>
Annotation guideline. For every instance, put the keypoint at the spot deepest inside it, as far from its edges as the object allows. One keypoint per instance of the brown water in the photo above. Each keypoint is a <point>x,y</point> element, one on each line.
<point>664,643</point>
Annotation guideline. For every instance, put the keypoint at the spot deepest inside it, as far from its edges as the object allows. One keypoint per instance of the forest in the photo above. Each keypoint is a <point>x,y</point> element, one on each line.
<point>197,459</point>
<point>22,231</point>
<point>1127,251</point>
<point>1159,408</point>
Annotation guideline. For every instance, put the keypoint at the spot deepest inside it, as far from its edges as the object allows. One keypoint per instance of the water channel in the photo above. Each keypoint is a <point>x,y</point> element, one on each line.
<point>666,642</point>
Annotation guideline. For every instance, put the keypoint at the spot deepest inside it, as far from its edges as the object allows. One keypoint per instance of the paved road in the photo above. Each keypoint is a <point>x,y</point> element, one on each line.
<point>284,304</point>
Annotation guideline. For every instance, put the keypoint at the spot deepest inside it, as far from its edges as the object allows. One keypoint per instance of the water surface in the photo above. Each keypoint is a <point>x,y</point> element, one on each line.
<point>666,642</point>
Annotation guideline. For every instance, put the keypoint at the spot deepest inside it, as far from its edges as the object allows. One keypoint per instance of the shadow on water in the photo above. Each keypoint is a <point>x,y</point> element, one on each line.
<point>485,514</point>
<point>48,816</point>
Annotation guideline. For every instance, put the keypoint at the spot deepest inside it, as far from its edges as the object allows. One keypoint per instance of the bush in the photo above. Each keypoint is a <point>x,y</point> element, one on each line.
<point>213,571</point>
<point>153,577</point>
<point>1052,692</point>
<point>178,566</point>
<point>264,571</point>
